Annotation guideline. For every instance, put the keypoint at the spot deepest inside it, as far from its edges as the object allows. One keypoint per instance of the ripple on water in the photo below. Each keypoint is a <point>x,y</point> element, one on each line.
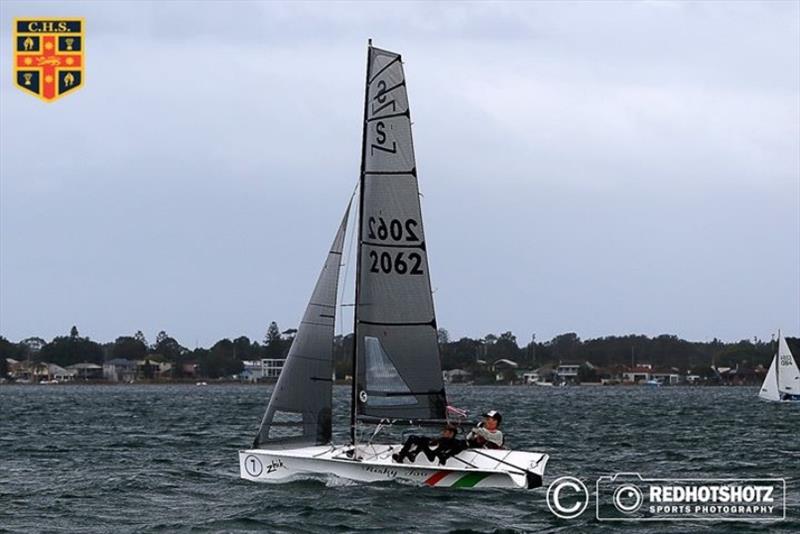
<point>164,459</point>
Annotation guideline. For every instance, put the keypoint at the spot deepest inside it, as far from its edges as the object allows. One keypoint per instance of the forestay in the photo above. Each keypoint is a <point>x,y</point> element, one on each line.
<point>299,411</point>
<point>397,355</point>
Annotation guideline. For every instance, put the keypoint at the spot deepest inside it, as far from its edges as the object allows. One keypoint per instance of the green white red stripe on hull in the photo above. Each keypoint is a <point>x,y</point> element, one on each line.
<point>456,479</point>
<point>473,468</point>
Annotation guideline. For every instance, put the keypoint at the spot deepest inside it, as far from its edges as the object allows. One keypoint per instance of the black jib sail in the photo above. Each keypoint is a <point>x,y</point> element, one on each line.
<point>398,368</point>
<point>299,411</point>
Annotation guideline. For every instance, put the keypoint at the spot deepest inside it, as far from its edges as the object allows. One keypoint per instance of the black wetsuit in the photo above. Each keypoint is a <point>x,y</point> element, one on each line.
<point>445,448</point>
<point>449,447</point>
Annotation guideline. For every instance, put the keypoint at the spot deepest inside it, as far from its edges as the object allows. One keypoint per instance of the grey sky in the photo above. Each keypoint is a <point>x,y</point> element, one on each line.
<point>604,168</point>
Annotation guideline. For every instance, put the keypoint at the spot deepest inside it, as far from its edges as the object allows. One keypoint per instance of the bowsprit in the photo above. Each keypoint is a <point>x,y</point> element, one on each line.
<point>48,56</point>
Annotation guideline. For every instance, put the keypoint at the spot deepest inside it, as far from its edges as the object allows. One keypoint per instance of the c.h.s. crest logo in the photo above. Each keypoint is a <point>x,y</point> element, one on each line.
<point>48,56</point>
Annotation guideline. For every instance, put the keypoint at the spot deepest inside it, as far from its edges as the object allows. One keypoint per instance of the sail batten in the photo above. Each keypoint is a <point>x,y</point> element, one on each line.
<point>299,411</point>
<point>396,344</point>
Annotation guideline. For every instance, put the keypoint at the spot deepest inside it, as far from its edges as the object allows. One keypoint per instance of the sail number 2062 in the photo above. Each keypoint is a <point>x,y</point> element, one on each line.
<point>394,230</point>
<point>398,262</point>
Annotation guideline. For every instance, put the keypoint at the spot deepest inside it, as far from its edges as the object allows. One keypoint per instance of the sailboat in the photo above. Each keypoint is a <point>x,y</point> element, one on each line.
<point>782,383</point>
<point>397,372</point>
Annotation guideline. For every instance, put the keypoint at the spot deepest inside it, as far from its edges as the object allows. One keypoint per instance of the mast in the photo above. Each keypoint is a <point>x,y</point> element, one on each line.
<point>359,230</point>
<point>778,364</point>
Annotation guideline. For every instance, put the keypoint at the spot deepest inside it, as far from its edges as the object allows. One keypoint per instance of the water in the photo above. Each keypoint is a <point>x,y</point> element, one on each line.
<point>164,459</point>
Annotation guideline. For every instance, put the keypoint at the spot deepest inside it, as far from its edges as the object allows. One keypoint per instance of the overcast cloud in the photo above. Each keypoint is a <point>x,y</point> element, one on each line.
<point>603,168</point>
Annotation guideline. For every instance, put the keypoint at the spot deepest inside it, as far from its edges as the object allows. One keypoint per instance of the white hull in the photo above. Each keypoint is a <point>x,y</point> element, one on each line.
<point>481,468</point>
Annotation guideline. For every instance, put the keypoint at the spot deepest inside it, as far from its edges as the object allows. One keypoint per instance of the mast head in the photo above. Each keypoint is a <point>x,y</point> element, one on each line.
<point>369,42</point>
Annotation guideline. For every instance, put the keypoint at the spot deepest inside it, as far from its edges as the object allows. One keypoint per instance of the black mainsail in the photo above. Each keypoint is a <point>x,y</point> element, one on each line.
<point>299,411</point>
<point>398,375</point>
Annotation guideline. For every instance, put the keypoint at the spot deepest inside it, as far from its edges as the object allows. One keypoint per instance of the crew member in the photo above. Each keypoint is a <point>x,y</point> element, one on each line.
<point>446,445</point>
<point>487,435</point>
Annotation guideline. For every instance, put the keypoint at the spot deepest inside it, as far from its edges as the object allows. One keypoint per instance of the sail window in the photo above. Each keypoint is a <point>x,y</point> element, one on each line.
<point>286,425</point>
<point>385,386</point>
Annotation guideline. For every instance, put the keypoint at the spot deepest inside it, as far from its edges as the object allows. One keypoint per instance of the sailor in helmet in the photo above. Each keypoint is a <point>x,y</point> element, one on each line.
<point>487,435</point>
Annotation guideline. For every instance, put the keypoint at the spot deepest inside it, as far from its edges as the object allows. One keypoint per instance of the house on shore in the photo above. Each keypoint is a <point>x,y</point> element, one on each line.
<point>264,369</point>
<point>86,371</point>
<point>503,369</point>
<point>543,376</point>
<point>456,376</point>
<point>567,371</point>
<point>740,376</point>
<point>59,374</point>
<point>119,370</point>
<point>35,372</point>
<point>637,375</point>
<point>531,377</point>
<point>669,377</point>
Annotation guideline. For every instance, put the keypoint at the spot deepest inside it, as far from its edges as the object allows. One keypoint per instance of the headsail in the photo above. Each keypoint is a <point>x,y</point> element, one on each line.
<point>769,389</point>
<point>299,411</point>
<point>398,368</point>
<point>788,373</point>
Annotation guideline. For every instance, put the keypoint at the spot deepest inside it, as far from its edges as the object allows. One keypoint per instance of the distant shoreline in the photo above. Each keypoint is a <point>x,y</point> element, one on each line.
<point>347,383</point>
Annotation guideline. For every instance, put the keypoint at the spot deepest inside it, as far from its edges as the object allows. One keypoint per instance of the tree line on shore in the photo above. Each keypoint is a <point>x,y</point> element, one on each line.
<point>226,356</point>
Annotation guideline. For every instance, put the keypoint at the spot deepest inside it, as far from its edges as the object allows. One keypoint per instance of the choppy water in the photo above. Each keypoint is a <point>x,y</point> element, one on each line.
<point>164,459</point>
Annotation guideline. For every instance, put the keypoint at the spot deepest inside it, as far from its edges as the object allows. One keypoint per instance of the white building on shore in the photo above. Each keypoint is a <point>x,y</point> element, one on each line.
<point>264,369</point>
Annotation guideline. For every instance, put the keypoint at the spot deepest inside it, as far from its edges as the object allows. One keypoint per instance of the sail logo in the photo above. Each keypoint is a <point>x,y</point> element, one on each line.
<point>48,56</point>
<point>274,465</point>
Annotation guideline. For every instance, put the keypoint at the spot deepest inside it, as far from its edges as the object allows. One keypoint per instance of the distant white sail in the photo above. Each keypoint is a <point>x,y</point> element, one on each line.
<point>788,373</point>
<point>769,389</point>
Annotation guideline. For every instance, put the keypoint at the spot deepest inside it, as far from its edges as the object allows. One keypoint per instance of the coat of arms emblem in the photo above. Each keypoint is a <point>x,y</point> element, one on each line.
<point>48,56</point>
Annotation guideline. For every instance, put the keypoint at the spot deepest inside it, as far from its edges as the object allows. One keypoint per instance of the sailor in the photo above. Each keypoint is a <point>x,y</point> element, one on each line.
<point>486,434</point>
<point>446,446</point>
<point>449,444</point>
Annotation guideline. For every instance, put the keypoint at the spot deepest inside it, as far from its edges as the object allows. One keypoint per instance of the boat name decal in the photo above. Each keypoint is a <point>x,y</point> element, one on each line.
<point>274,465</point>
<point>381,470</point>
